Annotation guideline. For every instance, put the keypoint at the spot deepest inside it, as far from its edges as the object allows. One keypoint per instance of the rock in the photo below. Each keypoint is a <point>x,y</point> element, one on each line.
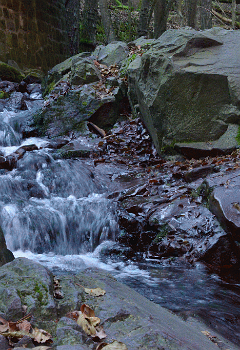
<point>5,254</point>
<point>16,102</point>
<point>68,112</point>
<point>4,345</point>
<point>113,53</point>
<point>10,73</point>
<point>8,86</point>
<point>224,145</point>
<point>125,315</point>
<point>22,87</point>
<point>72,347</point>
<point>61,69</point>
<point>35,91</point>
<point>225,204</point>
<point>195,173</point>
<point>147,325</point>
<point>24,282</point>
<point>84,72</point>
<point>186,89</point>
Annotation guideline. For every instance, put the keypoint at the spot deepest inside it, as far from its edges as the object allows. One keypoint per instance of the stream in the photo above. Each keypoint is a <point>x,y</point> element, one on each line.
<point>57,212</point>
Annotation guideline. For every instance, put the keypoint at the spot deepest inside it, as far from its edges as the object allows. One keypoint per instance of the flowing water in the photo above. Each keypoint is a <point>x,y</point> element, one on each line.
<point>57,212</point>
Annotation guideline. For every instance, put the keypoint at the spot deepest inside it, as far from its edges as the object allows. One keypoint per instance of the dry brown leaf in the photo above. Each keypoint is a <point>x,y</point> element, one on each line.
<point>100,333</point>
<point>85,309</point>
<point>115,345</point>
<point>86,325</point>
<point>73,315</point>
<point>40,335</point>
<point>24,326</point>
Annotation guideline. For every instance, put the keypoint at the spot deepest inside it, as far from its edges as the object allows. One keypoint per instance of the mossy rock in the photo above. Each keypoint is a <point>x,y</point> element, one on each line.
<point>10,73</point>
<point>3,95</point>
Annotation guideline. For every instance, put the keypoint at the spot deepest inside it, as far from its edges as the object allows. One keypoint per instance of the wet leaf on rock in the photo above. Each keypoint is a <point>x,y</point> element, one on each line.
<point>23,328</point>
<point>41,336</point>
<point>88,324</point>
<point>115,345</point>
<point>96,292</point>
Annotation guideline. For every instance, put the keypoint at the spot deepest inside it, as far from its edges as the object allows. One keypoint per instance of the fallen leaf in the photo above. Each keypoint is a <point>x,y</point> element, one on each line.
<point>87,311</point>
<point>86,325</point>
<point>40,335</point>
<point>73,315</point>
<point>115,345</point>
<point>95,291</point>
<point>24,326</point>
<point>100,333</point>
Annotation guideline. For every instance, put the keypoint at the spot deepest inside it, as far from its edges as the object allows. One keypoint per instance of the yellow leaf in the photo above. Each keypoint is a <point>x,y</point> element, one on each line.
<point>95,291</point>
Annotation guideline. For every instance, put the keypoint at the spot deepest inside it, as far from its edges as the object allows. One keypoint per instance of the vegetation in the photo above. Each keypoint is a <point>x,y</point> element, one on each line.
<point>104,21</point>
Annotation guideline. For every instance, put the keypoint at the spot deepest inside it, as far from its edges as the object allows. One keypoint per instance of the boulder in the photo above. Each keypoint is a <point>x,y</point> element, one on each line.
<point>84,72</point>
<point>113,53</point>
<point>63,68</point>
<point>125,315</point>
<point>68,112</point>
<point>24,282</point>
<point>186,88</point>
<point>10,73</point>
<point>5,254</point>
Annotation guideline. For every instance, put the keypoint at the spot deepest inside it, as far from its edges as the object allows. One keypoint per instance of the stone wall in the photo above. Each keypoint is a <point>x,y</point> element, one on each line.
<point>33,33</point>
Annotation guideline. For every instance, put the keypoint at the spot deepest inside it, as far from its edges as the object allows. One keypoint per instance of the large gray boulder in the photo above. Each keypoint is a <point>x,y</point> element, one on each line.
<point>187,87</point>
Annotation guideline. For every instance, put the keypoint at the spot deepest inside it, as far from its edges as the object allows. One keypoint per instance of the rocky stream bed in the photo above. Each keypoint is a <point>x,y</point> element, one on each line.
<point>80,179</point>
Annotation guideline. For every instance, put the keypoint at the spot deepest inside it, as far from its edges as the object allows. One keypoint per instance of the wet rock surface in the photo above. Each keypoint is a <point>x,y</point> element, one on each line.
<point>122,311</point>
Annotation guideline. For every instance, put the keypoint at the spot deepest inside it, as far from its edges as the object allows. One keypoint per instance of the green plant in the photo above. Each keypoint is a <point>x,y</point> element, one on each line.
<point>163,232</point>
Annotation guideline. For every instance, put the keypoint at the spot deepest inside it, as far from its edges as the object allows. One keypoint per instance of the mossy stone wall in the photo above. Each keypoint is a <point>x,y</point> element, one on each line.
<point>33,33</point>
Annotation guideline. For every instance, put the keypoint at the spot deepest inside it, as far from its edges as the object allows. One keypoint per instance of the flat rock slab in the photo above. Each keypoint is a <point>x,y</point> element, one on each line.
<point>225,204</point>
<point>130,318</point>
<point>125,315</point>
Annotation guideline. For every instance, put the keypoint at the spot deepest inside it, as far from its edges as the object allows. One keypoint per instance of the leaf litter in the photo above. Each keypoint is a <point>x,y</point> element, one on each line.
<point>22,328</point>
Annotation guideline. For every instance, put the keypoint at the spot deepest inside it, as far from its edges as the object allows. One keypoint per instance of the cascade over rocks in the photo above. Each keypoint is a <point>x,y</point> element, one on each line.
<point>186,89</point>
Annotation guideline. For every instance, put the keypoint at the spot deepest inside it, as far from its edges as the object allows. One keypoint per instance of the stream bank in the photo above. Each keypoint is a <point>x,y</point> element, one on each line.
<point>70,185</point>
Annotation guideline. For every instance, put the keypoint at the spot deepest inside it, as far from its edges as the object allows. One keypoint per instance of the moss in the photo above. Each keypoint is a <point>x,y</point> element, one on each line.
<point>3,95</point>
<point>100,35</point>
<point>163,232</point>
<point>10,73</point>
<point>238,136</point>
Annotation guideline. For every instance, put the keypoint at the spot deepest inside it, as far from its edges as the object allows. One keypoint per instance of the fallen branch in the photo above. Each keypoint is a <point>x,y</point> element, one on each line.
<point>225,19</point>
